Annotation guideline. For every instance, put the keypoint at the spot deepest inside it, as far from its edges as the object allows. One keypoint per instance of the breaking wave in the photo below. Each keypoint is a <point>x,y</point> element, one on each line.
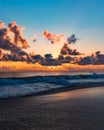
<point>21,86</point>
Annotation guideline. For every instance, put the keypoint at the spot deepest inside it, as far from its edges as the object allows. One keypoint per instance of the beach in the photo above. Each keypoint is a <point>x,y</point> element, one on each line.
<point>52,65</point>
<point>81,109</point>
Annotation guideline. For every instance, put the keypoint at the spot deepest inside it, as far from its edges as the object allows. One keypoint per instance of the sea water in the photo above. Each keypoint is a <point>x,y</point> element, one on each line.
<point>29,83</point>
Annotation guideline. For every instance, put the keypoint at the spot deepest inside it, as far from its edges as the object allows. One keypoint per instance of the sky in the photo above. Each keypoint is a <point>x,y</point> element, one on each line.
<point>85,18</point>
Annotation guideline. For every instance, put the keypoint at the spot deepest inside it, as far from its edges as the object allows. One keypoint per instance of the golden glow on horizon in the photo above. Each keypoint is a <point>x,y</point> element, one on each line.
<point>23,66</point>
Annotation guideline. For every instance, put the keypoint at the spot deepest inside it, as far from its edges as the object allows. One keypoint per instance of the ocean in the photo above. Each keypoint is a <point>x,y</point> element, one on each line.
<point>31,83</point>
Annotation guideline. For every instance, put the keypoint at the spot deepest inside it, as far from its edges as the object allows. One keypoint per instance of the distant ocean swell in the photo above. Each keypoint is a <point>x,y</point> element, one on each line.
<point>14,87</point>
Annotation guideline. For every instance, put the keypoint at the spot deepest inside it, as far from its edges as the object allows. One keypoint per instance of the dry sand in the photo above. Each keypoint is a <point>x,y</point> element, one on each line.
<point>72,110</point>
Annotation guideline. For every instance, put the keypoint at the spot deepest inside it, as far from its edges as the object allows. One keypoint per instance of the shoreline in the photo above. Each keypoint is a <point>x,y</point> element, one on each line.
<point>56,91</point>
<point>81,109</point>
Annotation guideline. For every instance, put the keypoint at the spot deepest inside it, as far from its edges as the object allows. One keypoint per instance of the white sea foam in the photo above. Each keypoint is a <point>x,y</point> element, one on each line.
<point>10,87</point>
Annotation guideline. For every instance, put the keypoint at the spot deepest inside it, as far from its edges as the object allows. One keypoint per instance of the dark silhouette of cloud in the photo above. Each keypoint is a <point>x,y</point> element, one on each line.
<point>96,59</point>
<point>49,61</point>
<point>13,45</point>
<point>72,39</point>
<point>66,50</point>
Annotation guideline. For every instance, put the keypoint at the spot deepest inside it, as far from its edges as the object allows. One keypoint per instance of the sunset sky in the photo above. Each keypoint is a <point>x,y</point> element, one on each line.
<point>84,18</point>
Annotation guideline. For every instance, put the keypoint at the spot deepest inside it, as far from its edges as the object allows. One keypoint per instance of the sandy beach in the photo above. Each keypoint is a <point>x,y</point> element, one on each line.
<point>81,109</point>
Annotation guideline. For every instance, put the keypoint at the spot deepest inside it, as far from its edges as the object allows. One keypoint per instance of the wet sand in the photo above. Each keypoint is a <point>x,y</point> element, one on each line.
<point>81,109</point>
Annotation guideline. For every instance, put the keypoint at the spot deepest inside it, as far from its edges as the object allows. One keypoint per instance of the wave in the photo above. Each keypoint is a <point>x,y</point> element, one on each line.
<point>11,87</point>
<point>60,79</point>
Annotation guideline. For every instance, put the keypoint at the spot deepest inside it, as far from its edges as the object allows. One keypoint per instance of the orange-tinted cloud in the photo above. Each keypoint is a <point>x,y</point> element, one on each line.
<point>11,40</point>
<point>18,39</point>
<point>53,38</point>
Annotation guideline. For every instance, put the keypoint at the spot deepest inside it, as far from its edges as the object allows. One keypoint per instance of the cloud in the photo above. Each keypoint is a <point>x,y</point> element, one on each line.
<point>18,39</point>
<point>72,39</point>
<point>12,36</point>
<point>66,59</point>
<point>34,38</point>
<point>96,59</point>
<point>11,40</point>
<point>2,25</point>
<point>13,45</point>
<point>66,50</point>
<point>53,38</point>
<point>49,61</point>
